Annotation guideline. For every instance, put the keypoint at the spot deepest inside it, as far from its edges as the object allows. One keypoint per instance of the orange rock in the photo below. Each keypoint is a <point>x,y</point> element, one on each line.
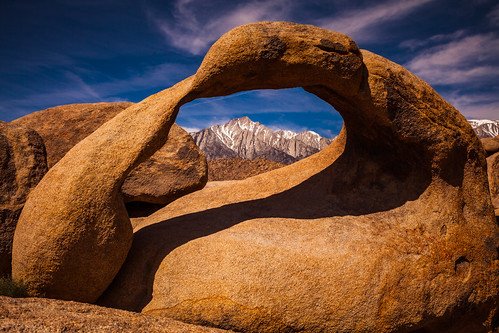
<point>493,173</point>
<point>23,162</point>
<point>48,316</point>
<point>177,168</point>
<point>388,229</point>
<point>491,145</point>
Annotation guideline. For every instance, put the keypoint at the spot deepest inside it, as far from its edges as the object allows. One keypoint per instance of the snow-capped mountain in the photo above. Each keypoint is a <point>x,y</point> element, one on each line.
<point>485,128</point>
<point>247,139</point>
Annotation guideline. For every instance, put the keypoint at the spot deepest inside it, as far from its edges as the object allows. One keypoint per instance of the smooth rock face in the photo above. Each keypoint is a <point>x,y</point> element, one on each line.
<point>390,228</point>
<point>490,145</point>
<point>48,316</point>
<point>23,163</point>
<point>493,172</point>
<point>177,168</point>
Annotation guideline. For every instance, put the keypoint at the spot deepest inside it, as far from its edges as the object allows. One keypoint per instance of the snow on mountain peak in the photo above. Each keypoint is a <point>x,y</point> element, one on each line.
<point>485,128</point>
<point>249,139</point>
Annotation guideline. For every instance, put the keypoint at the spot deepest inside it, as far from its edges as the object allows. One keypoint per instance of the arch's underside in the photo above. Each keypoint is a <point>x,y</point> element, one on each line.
<point>388,229</point>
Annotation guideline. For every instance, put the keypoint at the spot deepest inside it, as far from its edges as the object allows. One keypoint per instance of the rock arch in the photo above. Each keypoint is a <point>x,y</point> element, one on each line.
<point>407,169</point>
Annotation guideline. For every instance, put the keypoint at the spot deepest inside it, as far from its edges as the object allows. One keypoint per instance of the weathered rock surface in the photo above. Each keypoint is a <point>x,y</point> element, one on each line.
<point>491,145</point>
<point>23,163</point>
<point>238,168</point>
<point>62,127</point>
<point>176,169</point>
<point>390,228</point>
<point>48,316</point>
<point>493,173</point>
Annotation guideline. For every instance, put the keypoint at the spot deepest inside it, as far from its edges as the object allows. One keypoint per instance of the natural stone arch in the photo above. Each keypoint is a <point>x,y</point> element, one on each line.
<point>407,145</point>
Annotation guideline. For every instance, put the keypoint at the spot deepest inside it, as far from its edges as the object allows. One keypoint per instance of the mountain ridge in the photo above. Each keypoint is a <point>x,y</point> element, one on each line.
<point>485,128</point>
<point>244,138</point>
<point>247,139</point>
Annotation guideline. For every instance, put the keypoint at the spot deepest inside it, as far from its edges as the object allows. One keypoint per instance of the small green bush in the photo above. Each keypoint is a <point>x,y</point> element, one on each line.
<point>11,288</point>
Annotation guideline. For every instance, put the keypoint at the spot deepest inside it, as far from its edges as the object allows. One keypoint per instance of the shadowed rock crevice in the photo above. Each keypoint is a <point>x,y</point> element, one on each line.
<point>22,164</point>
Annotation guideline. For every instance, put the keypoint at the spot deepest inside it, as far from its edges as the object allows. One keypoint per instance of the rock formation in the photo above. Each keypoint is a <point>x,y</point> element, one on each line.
<point>174,170</point>
<point>491,145</point>
<point>23,163</point>
<point>48,316</point>
<point>62,127</point>
<point>388,229</point>
<point>244,138</point>
<point>493,174</point>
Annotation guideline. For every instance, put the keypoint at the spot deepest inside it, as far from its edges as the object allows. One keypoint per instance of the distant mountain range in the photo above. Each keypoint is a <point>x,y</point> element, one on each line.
<point>247,139</point>
<point>244,138</point>
<point>485,128</point>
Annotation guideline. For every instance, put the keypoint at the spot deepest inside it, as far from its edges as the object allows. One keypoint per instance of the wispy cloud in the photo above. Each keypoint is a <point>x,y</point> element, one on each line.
<point>192,31</point>
<point>461,60</point>
<point>362,23</point>
<point>82,86</point>
<point>475,105</point>
<point>161,76</point>
<point>414,44</point>
<point>493,16</point>
<point>75,90</point>
<point>294,100</point>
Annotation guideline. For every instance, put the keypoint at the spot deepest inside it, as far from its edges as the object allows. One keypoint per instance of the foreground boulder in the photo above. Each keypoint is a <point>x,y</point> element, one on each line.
<point>388,229</point>
<point>177,168</point>
<point>23,163</point>
<point>47,316</point>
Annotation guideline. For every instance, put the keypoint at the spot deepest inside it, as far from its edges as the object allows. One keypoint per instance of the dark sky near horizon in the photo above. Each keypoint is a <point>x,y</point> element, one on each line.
<point>59,52</point>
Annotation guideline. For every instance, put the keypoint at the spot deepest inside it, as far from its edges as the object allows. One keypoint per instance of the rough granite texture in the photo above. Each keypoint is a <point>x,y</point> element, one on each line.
<point>177,168</point>
<point>493,173</point>
<point>23,162</point>
<point>22,315</point>
<point>491,145</point>
<point>389,229</point>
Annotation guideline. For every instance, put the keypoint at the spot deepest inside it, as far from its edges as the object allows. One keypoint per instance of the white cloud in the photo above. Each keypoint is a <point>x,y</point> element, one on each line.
<point>191,30</point>
<point>361,23</point>
<point>462,60</point>
<point>191,33</point>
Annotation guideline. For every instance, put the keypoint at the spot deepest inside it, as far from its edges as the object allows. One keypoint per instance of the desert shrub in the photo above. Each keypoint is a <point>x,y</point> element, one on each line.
<point>11,288</point>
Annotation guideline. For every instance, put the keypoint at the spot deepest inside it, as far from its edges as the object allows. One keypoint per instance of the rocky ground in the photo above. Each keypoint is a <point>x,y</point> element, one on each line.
<point>239,168</point>
<point>40,315</point>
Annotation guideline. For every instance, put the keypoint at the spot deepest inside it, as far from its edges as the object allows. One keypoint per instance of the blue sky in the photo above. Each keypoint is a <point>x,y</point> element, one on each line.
<point>59,52</point>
